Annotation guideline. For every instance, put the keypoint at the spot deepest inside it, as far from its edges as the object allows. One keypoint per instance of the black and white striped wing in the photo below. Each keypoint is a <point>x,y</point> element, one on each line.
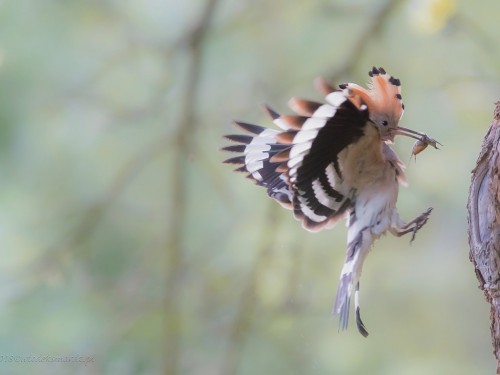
<point>255,154</point>
<point>300,164</point>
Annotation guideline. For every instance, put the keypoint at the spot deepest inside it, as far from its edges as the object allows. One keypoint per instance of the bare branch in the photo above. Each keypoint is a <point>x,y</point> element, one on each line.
<point>374,25</point>
<point>247,304</point>
<point>176,229</point>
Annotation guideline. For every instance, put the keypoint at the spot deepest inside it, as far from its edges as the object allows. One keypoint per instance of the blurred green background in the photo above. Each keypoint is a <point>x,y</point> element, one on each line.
<point>124,239</point>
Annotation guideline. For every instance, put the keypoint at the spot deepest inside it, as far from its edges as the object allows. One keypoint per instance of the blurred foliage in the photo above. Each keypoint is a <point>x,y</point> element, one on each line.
<point>124,238</point>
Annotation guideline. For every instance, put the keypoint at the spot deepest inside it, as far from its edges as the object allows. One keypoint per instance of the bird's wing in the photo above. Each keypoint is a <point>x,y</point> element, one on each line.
<point>299,165</point>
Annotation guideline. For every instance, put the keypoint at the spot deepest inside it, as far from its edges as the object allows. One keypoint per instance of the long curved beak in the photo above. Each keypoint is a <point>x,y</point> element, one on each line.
<point>422,137</point>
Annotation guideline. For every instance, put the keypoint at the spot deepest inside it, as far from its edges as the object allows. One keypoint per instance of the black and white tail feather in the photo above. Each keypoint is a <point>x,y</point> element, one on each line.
<point>332,160</point>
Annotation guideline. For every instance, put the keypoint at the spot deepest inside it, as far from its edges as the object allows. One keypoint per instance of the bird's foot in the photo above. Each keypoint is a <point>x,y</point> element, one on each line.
<point>414,225</point>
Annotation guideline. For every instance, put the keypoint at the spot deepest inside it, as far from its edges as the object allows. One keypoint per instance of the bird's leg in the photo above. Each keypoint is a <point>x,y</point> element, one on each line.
<point>413,226</point>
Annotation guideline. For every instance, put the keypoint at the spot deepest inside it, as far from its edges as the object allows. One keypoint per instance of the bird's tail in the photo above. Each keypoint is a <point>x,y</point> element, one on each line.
<point>349,279</point>
<point>359,322</point>
<point>343,302</point>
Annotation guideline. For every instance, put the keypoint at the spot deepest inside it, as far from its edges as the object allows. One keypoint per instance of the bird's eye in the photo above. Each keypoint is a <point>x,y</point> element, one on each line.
<point>385,123</point>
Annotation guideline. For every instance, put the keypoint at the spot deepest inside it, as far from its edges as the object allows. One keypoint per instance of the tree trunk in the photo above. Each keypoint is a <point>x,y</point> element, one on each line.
<point>484,225</point>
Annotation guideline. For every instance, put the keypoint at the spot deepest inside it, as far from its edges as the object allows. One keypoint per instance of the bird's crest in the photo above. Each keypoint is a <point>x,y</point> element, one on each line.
<point>383,94</point>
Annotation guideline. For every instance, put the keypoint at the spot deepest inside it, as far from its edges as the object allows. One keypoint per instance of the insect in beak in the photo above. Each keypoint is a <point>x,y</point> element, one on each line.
<point>423,140</point>
<point>420,137</point>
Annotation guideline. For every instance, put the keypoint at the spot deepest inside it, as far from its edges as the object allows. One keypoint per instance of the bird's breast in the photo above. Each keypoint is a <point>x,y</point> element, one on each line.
<point>363,163</point>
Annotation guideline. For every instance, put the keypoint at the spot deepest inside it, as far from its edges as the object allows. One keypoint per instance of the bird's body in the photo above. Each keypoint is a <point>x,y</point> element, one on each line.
<point>331,161</point>
<point>376,175</point>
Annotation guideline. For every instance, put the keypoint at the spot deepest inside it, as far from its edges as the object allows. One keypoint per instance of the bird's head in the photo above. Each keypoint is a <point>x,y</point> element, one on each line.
<point>383,100</point>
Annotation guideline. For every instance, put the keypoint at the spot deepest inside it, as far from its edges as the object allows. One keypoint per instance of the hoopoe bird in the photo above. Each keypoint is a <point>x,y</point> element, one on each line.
<point>332,161</point>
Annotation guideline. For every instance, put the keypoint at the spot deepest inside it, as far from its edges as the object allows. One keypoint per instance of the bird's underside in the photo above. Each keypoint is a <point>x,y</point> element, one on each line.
<point>333,160</point>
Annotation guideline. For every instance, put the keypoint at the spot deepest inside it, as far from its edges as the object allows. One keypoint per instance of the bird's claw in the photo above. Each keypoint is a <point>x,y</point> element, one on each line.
<point>419,222</point>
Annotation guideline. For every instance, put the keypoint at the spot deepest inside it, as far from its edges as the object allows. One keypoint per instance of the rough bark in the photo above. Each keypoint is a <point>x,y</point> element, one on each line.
<point>484,225</point>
